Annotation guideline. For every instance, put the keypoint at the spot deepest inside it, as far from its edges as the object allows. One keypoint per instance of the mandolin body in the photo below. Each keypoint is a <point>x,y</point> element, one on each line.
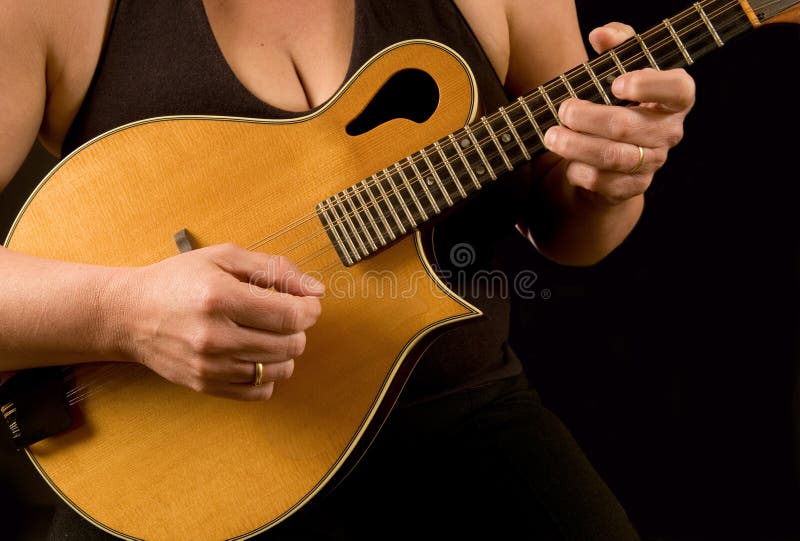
<point>154,460</point>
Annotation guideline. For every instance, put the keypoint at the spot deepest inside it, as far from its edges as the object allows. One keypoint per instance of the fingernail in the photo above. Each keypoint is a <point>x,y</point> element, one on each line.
<point>618,85</point>
<point>549,138</point>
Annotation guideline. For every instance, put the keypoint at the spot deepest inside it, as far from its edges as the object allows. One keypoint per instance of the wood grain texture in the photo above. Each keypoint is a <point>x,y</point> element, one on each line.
<point>157,461</point>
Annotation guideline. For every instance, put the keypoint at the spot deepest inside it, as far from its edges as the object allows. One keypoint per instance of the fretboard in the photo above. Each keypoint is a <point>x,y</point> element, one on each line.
<point>395,201</point>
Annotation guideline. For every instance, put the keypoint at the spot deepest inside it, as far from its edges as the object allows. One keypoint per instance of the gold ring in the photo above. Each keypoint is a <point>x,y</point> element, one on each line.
<point>638,165</point>
<point>259,374</point>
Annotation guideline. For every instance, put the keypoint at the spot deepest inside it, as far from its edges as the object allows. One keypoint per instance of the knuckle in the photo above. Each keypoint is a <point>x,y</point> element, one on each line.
<point>295,345</point>
<point>199,385</point>
<point>586,176</point>
<point>620,127</point>
<point>660,157</point>
<point>266,391</point>
<point>209,299</point>
<point>611,157</point>
<point>687,86</point>
<point>315,309</point>
<point>280,263</point>
<point>675,136</point>
<point>293,318</point>
<point>225,249</point>
<point>200,369</point>
<point>203,341</point>
<point>288,369</point>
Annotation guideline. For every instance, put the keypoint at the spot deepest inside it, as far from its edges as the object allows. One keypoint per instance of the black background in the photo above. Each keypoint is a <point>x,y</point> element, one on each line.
<point>674,361</point>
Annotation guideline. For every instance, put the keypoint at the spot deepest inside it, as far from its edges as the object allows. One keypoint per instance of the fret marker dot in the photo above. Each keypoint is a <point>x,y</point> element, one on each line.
<point>429,180</point>
<point>610,78</point>
<point>506,138</point>
<point>480,170</point>
<point>465,142</point>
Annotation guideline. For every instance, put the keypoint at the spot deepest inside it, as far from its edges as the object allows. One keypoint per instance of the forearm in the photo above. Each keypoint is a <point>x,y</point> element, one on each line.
<point>52,312</point>
<point>574,226</point>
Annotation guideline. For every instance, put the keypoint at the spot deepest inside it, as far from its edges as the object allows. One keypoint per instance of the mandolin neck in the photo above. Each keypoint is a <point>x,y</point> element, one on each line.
<point>393,202</point>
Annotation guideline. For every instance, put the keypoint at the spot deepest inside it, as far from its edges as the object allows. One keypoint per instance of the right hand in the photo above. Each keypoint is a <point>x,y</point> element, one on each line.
<point>204,318</point>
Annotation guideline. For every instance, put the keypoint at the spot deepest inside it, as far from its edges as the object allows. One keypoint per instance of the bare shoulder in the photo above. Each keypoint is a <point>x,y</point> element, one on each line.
<point>76,30</point>
<point>528,41</point>
<point>48,52</point>
<point>489,23</point>
<point>23,52</point>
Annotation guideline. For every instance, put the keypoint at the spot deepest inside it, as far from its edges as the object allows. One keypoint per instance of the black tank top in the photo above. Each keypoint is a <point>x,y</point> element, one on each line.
<point>160,58</point>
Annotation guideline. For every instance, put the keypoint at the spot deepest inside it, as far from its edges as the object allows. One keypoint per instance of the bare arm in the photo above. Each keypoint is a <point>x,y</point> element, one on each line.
<point>589,200</point>
<point>195,319</point>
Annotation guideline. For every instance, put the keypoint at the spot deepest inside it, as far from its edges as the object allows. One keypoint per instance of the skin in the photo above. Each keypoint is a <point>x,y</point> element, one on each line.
<point>208,331</point>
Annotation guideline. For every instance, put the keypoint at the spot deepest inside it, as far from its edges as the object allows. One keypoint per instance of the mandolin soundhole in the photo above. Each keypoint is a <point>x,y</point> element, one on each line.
<point>411,94</point>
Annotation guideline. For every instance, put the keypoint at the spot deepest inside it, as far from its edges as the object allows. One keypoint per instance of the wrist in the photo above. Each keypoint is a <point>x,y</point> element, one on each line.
<point>114,309</point>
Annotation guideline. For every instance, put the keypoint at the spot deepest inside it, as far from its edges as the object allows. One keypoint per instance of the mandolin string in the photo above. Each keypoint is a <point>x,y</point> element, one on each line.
<point>97,384</point>
<point>673,53</point>
<point>96,379</point>
<point>100,371</point>
<point>100,379</point>
<point>523,122</point>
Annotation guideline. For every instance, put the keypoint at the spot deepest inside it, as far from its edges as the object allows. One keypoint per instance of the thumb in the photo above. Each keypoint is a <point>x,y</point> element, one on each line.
<point>610,35</point>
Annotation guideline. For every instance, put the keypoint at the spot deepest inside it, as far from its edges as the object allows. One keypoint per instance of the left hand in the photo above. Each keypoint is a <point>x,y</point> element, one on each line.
<point>601,143</point>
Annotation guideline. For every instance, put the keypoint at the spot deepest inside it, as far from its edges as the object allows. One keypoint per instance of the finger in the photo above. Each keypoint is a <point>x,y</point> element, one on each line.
<point>249,344</point>
<point>673,90</point>
<point>239,391</point>
<point>610,185</point>
<point>610,35</point>
<point>601,153</point>
<point>267,309</point>
<point>229,370</point>
<point>266,271</point>
<point>635,125</point>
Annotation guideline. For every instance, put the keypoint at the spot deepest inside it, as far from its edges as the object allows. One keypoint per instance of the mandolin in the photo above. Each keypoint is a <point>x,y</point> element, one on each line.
<point>349,194</point>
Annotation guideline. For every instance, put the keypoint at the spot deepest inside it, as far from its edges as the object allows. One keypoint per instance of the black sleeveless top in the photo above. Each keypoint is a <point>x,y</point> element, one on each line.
<point>160,58</point>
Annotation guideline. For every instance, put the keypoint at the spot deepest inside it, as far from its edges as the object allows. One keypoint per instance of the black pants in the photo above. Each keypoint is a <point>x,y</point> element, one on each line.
<point>485,463</point>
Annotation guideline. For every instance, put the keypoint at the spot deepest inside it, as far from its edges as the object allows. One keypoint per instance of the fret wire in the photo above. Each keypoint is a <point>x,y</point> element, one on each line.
<point>707,22</point>
<point>424,185</point>
<point>411,191</point>
<point>531,119</point>
<point>617,61</point>
<point>366,207</point>
<point>646,52</point>
<point>432,169</point>
<point>389,204</point>
<point>615,58</point>
<point>464,160</point>
<point>491,133</point>
<point>568,86</point>
<point>550,105</point>
<point>381,214</point>
<point>399,198</point>
<point>449,167</point>
<point>514,133</point>
<point>332,227</point>
<point>612,55</point>
<point>323,208</point>
<point>596,82</point>
<point>479,150</point>
<point>678,42</point>
<point>367,234</point>
<point>353,233</point>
